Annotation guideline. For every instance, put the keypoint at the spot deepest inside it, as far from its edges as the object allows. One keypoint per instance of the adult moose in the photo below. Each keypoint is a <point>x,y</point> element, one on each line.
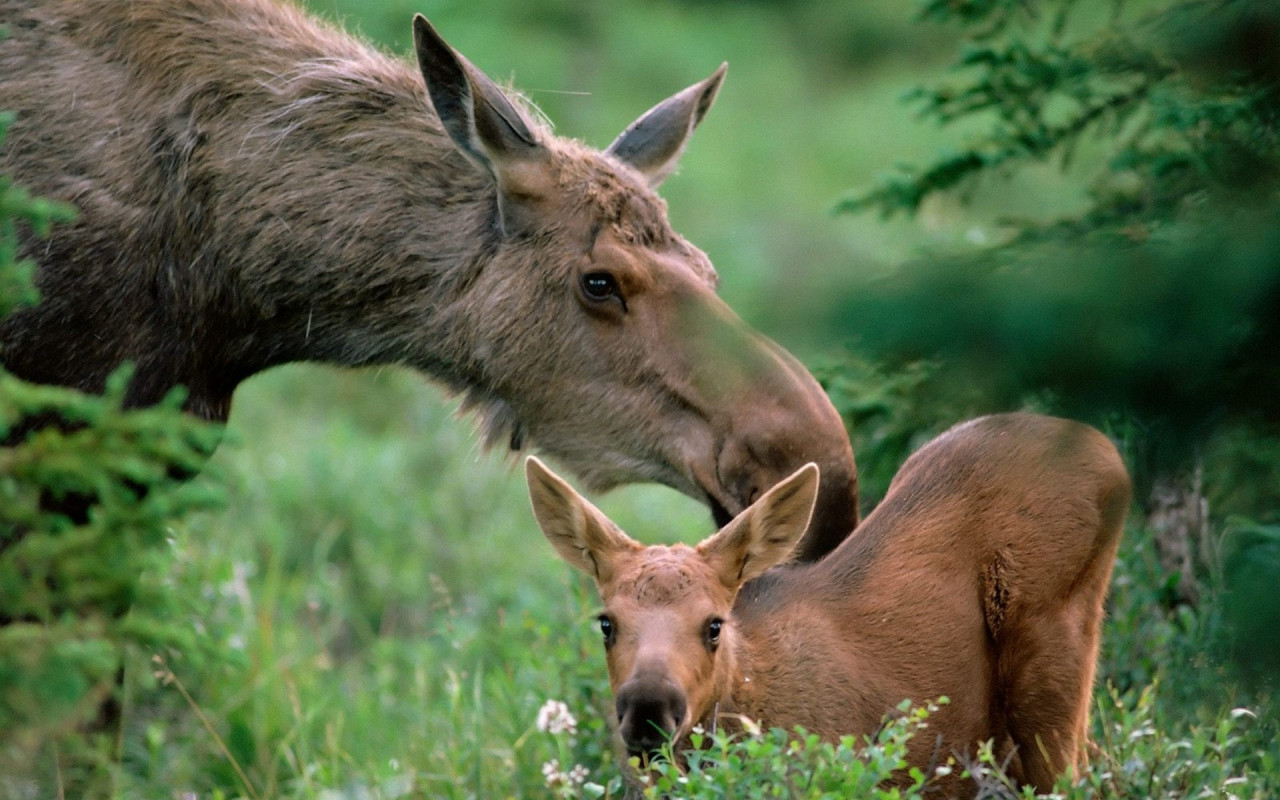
<point>256,188</point>
<point>980,577</point>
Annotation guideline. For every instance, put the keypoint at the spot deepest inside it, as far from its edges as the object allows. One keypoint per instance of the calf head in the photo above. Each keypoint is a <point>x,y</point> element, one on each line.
<point>667,621</point>
<point>595,333</point>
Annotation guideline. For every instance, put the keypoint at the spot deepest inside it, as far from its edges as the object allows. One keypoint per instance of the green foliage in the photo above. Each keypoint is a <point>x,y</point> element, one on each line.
<point>1154,299</point>
<point>387,620</point>
<point>889,413</point>
<point>1157,298</point>
<point>1253,564</point>
<point>87,490</point>
<point>1181,92</point>
<point>1140,756</point>
<point>1102,325</point>
<point>1147,630</point>
<point>796,765</point>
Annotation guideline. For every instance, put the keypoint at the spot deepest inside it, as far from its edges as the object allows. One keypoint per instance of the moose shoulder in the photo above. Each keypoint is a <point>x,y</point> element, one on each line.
<point>256,188</point>
<point>980,577</point>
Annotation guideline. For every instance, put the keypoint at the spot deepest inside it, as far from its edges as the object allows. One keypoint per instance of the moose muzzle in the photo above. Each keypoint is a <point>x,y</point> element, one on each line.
<point>651,709</point>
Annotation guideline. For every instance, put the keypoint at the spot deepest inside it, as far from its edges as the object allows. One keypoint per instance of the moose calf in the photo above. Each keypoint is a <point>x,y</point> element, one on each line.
<point>980,577</point>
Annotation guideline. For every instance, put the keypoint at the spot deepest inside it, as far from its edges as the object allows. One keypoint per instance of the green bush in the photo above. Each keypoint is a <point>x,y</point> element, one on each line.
<point>1155,294</point>
<point>87,491</point>
<point>797,765</point>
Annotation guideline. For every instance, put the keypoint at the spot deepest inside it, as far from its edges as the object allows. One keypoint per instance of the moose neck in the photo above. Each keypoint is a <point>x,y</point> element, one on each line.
<point>788,631</point>
<point>741,685</point>
<point>309,206</point>
<point>373,229</point>
<point>748,660</point>
<point>366,253</point>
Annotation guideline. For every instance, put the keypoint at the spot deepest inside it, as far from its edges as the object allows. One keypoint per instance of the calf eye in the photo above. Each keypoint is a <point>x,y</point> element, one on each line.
<point>713,632</point>
<point>606,628</point>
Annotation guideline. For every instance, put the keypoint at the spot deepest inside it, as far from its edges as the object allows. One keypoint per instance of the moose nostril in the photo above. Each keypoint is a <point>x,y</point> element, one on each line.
<point>747,466</point>
<point>645,713</point>
<point>676,710</point>
<point>719,514</point>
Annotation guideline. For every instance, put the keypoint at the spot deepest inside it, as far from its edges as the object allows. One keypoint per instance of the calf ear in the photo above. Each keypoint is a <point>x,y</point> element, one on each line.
<point>579,531</point>
<point>766,533</point>
<point>653,143</point>
<point>486,126</point>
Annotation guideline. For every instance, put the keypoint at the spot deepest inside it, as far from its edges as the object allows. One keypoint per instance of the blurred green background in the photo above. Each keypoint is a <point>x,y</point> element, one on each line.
<point>378,613</point>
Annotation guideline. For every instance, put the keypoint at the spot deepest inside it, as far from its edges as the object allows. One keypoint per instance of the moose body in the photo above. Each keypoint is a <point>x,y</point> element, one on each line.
<point>256,188</point>
<point>981,577</point>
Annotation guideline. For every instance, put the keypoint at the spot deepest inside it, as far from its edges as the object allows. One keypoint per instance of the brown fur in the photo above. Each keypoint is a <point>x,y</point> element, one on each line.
<point>256,188</point>
<point>980,577</point>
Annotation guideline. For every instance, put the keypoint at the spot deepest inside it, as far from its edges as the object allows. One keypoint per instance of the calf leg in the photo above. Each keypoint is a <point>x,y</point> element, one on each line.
<point>1047,648</point>
<point>1047,669</point>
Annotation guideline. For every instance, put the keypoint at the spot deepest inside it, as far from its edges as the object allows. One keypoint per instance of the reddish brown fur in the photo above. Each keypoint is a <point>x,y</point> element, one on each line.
<point>256,188</point>
<point>981,577</point>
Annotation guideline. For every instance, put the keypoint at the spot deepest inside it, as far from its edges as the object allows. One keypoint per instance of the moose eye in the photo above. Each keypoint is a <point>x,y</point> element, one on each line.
<point>713,632</point>
<point>606,628</point>
<point>601,286</point>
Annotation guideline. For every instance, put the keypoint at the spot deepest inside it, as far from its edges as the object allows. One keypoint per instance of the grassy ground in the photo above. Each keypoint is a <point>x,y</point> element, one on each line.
<point>373,618</point>
<point>378,607</point>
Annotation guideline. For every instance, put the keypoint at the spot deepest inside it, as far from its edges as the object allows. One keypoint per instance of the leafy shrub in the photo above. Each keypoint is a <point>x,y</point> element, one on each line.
<point>1138,757</point>
<point>87,489</point>
<point>796,764</point>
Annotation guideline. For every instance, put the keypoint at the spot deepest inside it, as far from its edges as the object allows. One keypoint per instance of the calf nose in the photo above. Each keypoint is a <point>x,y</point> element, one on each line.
<point>650,711</point>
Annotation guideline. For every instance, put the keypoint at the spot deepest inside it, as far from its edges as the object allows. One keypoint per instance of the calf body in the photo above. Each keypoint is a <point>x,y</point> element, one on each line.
<point>980,577</point>
<point>256,188</point>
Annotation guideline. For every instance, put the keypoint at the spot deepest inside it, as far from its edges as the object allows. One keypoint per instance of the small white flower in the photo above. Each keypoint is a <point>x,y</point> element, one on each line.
<point>556,779</point>
<point>554,718</point>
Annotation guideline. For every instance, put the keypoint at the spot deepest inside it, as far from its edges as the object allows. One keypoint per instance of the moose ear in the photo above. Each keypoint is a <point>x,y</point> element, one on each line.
<point>653,143</point>
<point>579,531</point>
<point>766,533</point>
<point>486,126</point>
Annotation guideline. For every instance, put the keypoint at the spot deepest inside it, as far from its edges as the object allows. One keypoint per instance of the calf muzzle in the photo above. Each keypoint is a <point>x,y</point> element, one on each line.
<point>650,711</point>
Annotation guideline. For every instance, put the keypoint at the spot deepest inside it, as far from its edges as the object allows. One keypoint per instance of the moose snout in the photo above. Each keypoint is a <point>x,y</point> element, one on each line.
<point>650,711</point>
<point>789,425</point>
